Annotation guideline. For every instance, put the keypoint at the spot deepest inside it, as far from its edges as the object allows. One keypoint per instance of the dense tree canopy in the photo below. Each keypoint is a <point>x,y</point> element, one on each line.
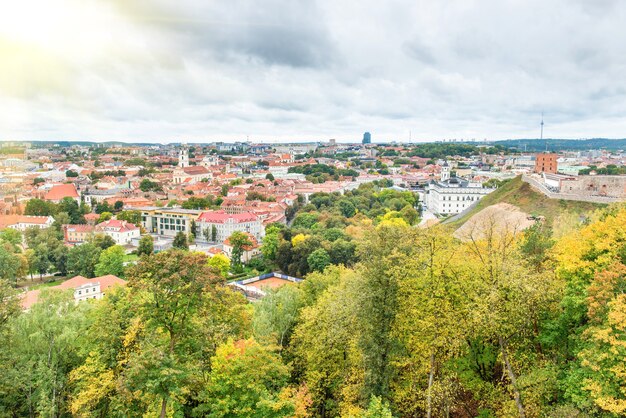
<point>390,320</point>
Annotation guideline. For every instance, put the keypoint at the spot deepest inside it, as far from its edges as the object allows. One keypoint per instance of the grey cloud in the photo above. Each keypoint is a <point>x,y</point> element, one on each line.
<point>282,69</point>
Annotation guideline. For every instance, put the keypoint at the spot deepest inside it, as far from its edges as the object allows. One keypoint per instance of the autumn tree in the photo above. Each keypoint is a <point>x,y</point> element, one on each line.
<point>172,284</point>
<point>246,380</point>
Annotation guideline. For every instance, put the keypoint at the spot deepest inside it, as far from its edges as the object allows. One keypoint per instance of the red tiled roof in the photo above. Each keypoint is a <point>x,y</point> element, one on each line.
<point>7,220</point>
<point>31,297</point>
<point>60,191</point>
<point>195,170</point>
<point>122,226</point>
<point>105,282</point>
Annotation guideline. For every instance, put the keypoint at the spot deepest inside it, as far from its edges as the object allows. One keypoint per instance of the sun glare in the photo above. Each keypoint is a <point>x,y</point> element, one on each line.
<point>57,26</point>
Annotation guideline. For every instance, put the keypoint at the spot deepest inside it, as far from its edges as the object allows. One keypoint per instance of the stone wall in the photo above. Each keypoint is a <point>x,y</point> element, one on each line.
<point>610,186</point>
<point>583,196</point>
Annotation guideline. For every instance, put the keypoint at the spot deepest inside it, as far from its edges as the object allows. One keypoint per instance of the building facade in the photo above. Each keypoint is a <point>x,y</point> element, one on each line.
<point>122,232</point>
<point>77,234</point>
<point>453,196</point>
<point>546,163</point>
<point>168,221</point>
<point>225,224</point>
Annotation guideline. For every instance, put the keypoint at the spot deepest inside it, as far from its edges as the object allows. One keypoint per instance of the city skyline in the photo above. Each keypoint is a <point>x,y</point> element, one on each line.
<point>310,71</point>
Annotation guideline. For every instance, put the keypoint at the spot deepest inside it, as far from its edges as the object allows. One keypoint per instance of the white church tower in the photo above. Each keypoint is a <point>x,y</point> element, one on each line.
<point>445,171</point>
<point>183,157</point>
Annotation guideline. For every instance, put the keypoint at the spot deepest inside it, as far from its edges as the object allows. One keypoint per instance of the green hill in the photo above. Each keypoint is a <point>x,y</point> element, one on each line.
<point>518,193</point>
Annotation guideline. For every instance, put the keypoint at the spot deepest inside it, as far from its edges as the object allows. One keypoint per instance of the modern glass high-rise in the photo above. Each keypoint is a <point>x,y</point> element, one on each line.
<point>367,138</point>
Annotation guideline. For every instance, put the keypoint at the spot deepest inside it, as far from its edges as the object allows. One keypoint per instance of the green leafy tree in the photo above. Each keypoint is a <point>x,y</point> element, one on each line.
<point>103,241</point>
<point>72,208</point>
<point>103,207</point>
<point>42,348</point>
<point>377,409</point>
<point>9,304</point>
<point>39,207</point>
<point>105,216</point>
<point>11,236</point>
<point>220,263</point>
<point>9,265</point>
<point>148,185</point>
<point>318,260</point>
<point>111,261</point>
<point>146,245</point>
<point>347,208</point>
<point>180,241</point>
<point>270,245</point>
<point>213,233</point>
<point>246,380</point>
<point>276,315</point>
<point>239,241</point>
<point>131,216</point>
<point>82,259</point>
<point>174,284</point>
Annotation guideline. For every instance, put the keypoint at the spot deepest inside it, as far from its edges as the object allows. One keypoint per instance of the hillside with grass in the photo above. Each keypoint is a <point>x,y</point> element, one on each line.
<point>522,195</point>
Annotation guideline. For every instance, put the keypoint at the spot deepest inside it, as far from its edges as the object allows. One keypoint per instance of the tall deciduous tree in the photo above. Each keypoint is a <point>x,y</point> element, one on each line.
<point>238,240</point>
<point>111,261</point>
<point>246,380</point>
<point>82,259</point>
<point>146,245</point>
<point>180,241</point>
<point>172,286</point>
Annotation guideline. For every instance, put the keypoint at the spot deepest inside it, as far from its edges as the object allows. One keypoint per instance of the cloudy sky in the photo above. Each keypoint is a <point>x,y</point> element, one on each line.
<point>205,70</point>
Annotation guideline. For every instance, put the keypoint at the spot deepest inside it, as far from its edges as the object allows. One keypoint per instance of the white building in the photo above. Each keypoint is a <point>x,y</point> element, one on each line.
<point>453,195</point>
<point>83,288</point>
<point>225,224</point>
<point>23,222</point>
<point>191,175</point>
<point>122,232</point>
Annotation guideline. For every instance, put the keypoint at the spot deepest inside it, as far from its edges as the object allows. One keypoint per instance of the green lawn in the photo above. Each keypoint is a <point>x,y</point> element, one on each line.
<point>130,257</point>
<point>47,284</point>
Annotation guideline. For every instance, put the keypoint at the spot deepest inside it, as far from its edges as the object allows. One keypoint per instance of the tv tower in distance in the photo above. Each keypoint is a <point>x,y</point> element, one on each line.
<point>541,135</point>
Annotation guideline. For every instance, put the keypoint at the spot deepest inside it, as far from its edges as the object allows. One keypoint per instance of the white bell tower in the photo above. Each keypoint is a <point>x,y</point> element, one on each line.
<point>445,171</point>
<point>183,157</point>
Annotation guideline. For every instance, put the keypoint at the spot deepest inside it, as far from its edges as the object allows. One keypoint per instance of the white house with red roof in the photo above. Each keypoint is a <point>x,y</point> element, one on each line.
<point>249,251</point>
<point>22,222</point>
<point>226,224</point>
<point>83,287</point>
<point>122,232</point>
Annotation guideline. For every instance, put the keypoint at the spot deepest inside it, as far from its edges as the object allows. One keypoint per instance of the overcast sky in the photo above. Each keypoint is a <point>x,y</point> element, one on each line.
<point>207,70</point>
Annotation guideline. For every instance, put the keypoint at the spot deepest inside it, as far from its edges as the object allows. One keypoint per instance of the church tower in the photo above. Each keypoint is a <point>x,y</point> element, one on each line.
<point>445,171</point>
<point>183,157</point>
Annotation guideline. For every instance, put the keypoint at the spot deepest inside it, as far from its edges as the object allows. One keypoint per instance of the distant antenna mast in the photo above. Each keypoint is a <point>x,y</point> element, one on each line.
<point>541,137</point>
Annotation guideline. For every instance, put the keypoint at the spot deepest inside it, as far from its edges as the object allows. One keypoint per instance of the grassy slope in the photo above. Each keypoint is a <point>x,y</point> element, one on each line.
<point>520,194</point>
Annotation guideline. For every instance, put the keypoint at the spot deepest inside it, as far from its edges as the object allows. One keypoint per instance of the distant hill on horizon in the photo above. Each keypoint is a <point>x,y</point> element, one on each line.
<point>538,145</point>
